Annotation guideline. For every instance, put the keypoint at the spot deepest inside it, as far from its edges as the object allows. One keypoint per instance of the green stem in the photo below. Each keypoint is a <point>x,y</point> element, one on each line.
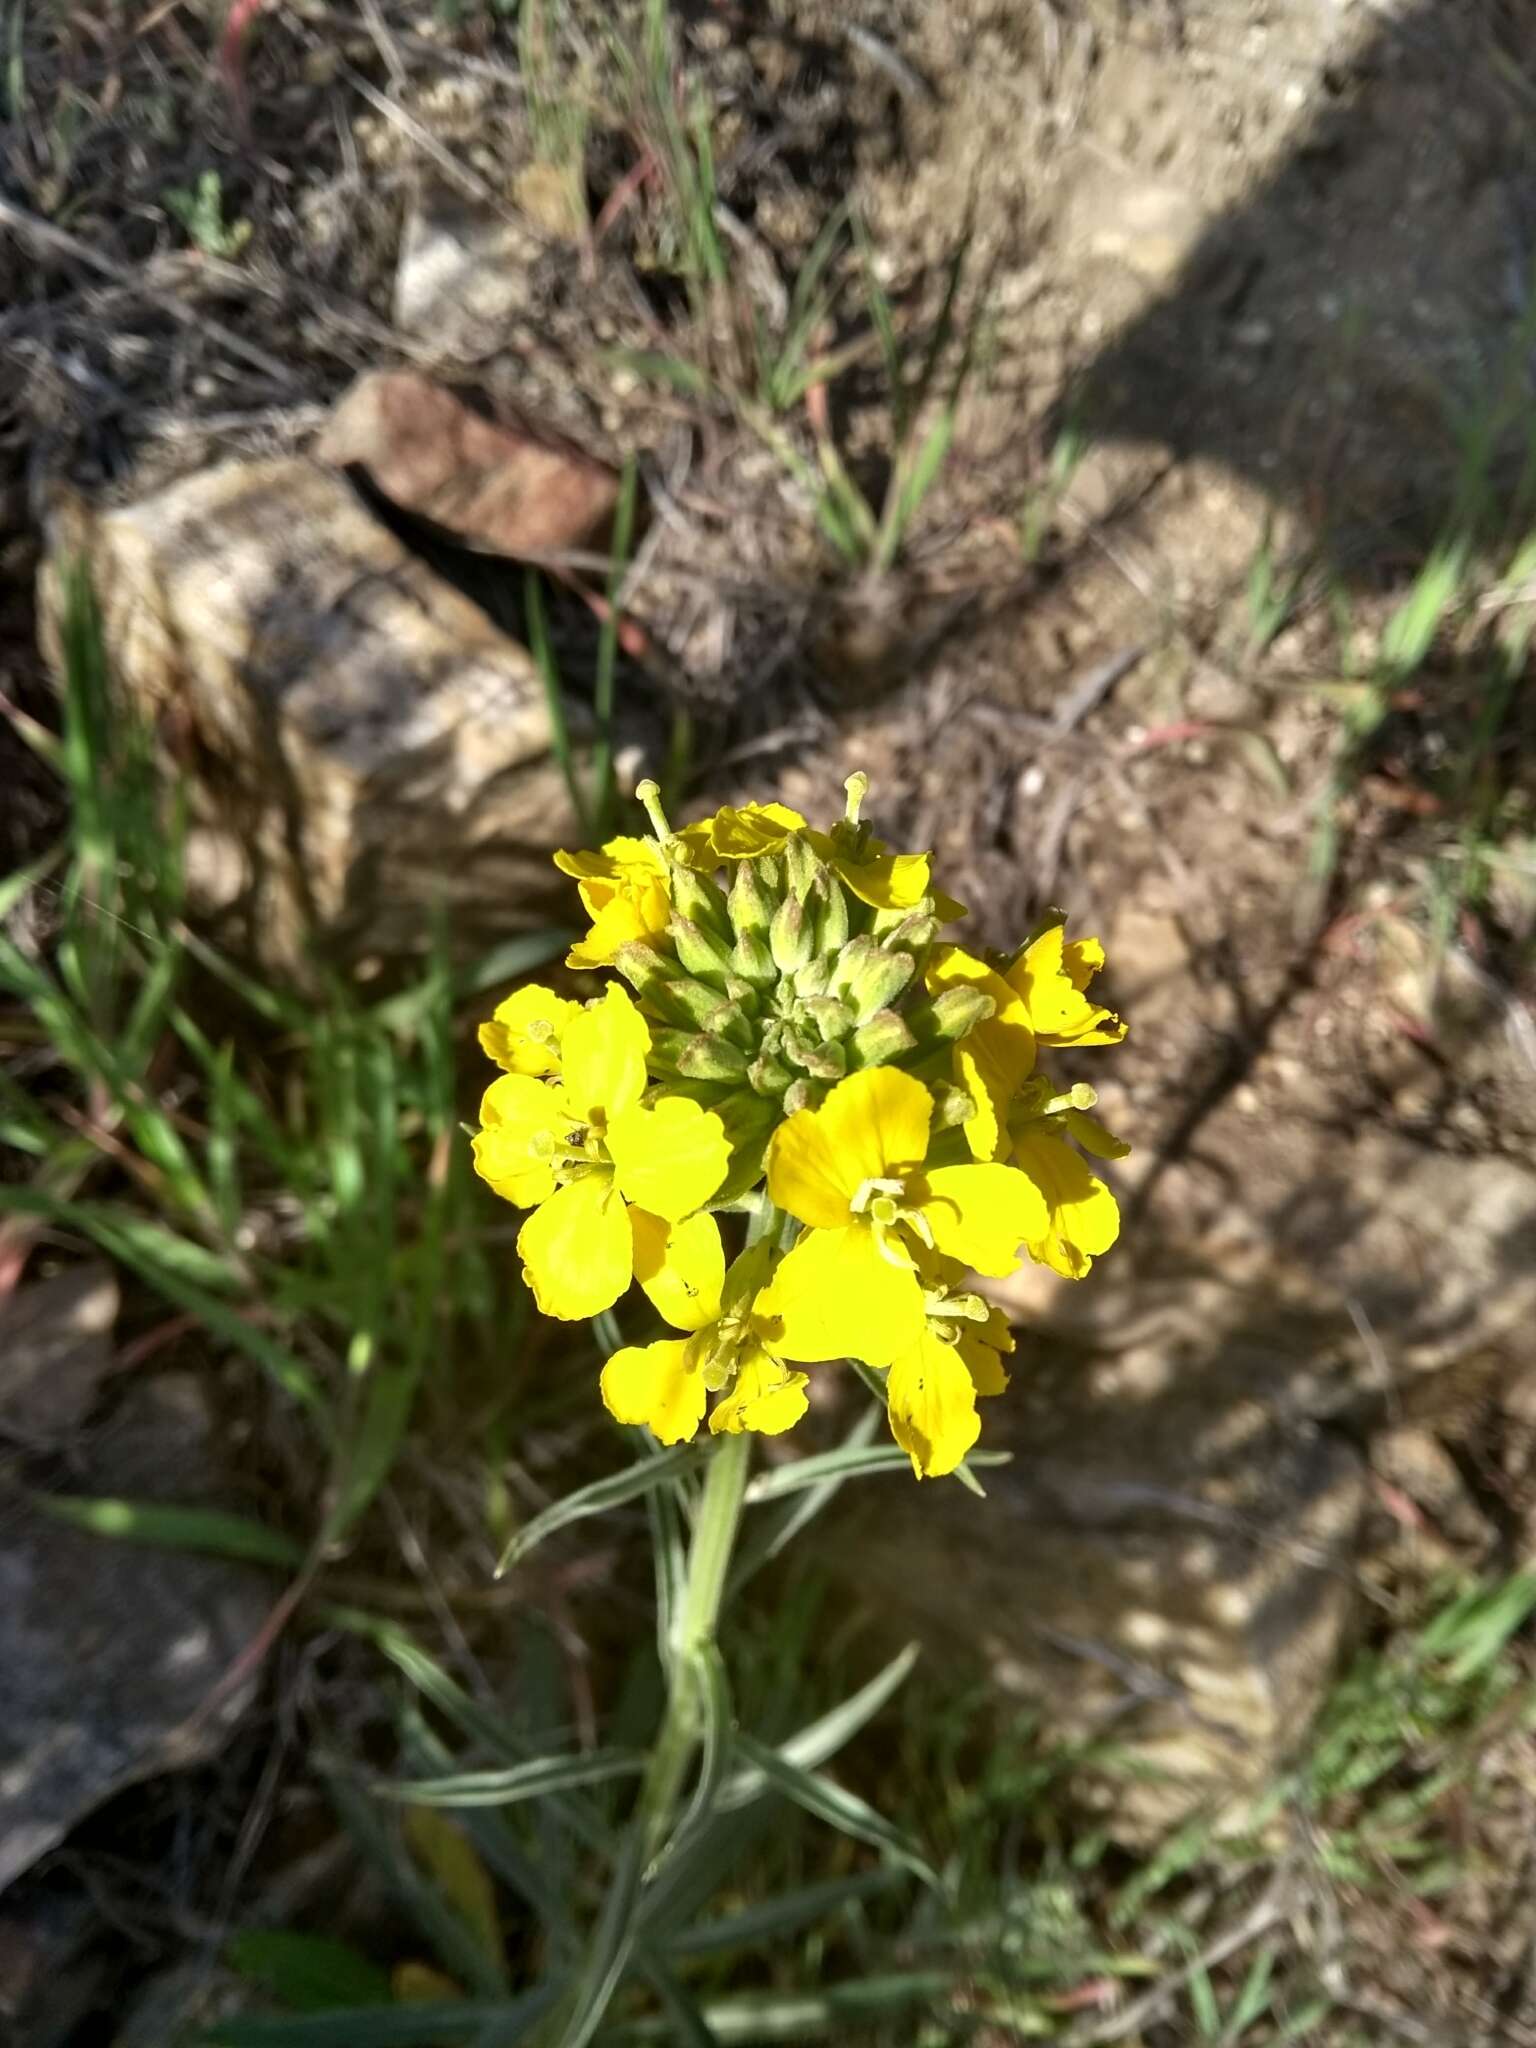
<point>709,1561</point>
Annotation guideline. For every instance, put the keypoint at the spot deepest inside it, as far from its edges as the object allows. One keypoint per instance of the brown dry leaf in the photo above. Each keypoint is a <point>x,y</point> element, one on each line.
<point>443,1849</point>
<point>494,487</point>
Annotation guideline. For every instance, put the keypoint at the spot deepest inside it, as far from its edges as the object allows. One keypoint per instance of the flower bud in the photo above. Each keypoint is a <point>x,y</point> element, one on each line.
<point>951,1106</point>
<point>883,1038</point>
<point>869,979</point>
<point>701,900</point>
<point>826,1062</point>
<point>919,928</point>
<point>751,905</point>
<point>768,1075</point>
<point>801,867</point>
<point>802,1094</point>
<point>831,913</point>
<point>830,1019</point>
<point>789,935</point>
<point>950,1015</point>
<point>812,979</point>
<point>731,1022</point>
<point>643,966</point>
<point>699,951</point>
<point>751,959</point>
<point>711,1059</point>
<point>682,1000</point>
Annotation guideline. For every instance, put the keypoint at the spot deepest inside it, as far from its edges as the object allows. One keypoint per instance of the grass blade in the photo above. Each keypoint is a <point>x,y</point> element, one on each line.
<point>851,1462</point>
<point>756,1925</point>
<point>596,1499</point>
<point>536,1779</point>
<point>391,2026</point>
<point>826,1800</point>
<point>211,1532</point>
<point>825,1736</point>
<point>603,791</point>
<point>554,693</point>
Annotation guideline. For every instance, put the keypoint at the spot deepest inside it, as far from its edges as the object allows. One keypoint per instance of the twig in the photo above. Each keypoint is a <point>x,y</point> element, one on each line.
<point>429,146</point>
<point>43,234</point>
<point>1095,686</point>
<point>1269,1909</point>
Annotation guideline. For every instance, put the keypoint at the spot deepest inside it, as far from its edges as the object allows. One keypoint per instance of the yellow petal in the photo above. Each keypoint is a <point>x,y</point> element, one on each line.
<point>871,1126</point>
<point>767,1398</point>
<point>886,881</point>
<point>982,1363</point>
<point>932,1402</point>
<point>752,830</point>
<point>681,1266</point>
<point>625,890</point>
<point>651,1384</point>
<point>576,1249</point>
<point>1050,976</point>
<point>524,1122</point>
<point>999,1052</point>
<point>669,1158</point>
<point>1082,1217</point>
<point>613,864</point>
<point>834,1296</point>
<point>981,1214</point>
<point>523,1033</point>
<point>604,1051</point>
<point>1093,1137</point>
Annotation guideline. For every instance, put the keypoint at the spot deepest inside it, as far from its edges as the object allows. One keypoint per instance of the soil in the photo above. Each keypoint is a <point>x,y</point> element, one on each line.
<point>1264,259</point>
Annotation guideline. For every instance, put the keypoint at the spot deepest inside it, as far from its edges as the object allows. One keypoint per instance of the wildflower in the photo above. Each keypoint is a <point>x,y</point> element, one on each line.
<point>728,1349</point>
<point>524,1032</point>
<point>853,1172</point>
<point>1051,974</point>
<point>932,1387</point>
<point>995,1057</point>
<point>625,892</point>
<point>578,1149</point>
<point>1082,1217</point>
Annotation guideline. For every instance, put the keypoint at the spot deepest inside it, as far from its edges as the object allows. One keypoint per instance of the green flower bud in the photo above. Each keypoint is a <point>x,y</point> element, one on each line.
<point>831,910</point>
<point>801,867</point>
<point>826,1062</point>
<point>802,1094</point>
<point>711,1059</point>
<point>789,935</point>
<point>919,928</point>
<point>667,1048</point>
<point>830,1018</point>
<point>700,952</point>
<point>643,966</point>
<point>951,1106</point>
<point>812,979</point>
<point>769,1075</point>
<point>701,900</point>
<point>752,960</point>
<point>685,1001</point>
<point>870,979</point>
<point>876,1043</point>
<point>751,905</point>
<point>951,1015</point>
<point>730,1021</point>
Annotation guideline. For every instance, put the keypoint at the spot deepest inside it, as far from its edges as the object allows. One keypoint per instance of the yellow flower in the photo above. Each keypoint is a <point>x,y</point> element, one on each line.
<point>994,1059</point>
<point>729,1348</point>
<point>931,1389</point>
<point>576,1150</point>
<point>743,834</point>
<point>1082,1217</point>
<point>523,1033</point>
<point>853,1172</point>
<point>625,891</point>
<point>1050,975</point>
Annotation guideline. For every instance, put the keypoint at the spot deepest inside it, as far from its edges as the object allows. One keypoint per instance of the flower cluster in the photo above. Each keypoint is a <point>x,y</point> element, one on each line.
<point>799,1045</point>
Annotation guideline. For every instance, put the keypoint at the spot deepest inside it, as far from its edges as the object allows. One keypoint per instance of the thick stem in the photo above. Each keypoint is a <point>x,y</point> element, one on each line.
<point>709,1561</point>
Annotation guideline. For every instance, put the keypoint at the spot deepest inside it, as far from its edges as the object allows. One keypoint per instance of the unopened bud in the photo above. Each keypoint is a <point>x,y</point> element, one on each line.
<point>751,905</point>
<point>813,979</point>
<point>826,1062</point>
<point>831,910</point>
<point>728,1021</point>
<point>751,959</point>
<point>801,867</point>
<point>682,1000</point>
<point>951,1015</point>
<point>701,900</point>
<point>642,966</point>
<point>831,1019</point>
<point>667,1048</point>
<point>917,929</point>
<point>789,936</point>
<point>869,979</point>
<point>769,1075</point>
<point>711,1059</point>
<point>951,1106</point>
<point>699,952</point>
<point>883,1038</point>
<point>802,1094</point>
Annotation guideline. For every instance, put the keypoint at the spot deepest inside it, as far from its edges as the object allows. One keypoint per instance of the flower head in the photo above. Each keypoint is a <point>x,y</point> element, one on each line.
<point>579,1149</point>
<point>933,1385</point>
<point>624,890</point>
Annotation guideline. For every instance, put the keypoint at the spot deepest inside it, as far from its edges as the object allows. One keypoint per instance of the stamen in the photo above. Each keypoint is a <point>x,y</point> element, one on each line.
<point>866,1191</point>
<point>649,794</point>
<point>857,787</point>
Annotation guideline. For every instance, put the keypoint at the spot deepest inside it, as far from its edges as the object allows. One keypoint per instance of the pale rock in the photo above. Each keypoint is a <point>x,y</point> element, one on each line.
<point>362,750</point>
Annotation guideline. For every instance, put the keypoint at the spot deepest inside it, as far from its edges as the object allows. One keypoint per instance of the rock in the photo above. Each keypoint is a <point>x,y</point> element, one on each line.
<point>462,278</point>
<point>489,486</point>
<point>365,748</point>
<point>55,1349</point>
<point>1165,1566</point>
<point>109,1652</point>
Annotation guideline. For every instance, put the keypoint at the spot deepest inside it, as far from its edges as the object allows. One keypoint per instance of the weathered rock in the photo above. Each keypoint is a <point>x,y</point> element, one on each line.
<point>110,1653</point>
<point>362,749</point>
<point>491,487</point>
<point>55,1348</point>
<point>1166,1566</point>
<point>462,276</point>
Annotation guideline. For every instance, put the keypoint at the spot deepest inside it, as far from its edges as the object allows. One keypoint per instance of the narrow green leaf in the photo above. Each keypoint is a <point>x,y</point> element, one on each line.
<point>387,1401</point>
<point>826,1735</point>
<point>833,1803</point>
<point>603,1494</point>
<point>755,1926</point>
<point>847,1463</point>
<point>1410,632</point>
<point>656,367</point>
<point>786,2016</point>
<point>535,1779</point>
<point>211,1532</point>
<point>396,2026</point>
<point>612,1945</point>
